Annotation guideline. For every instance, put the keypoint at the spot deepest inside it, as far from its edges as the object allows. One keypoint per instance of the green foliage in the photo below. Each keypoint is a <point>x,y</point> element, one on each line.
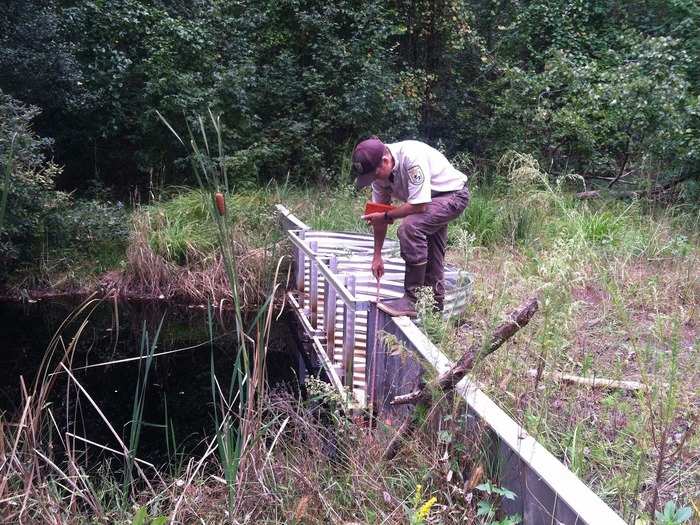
<point>338,209</point>
<point>137,57</point>
<point>302,79</point>
<point>40,67</point>
<point>141,517</point>
<point>440,56</point>
<point>180,226</point>
<point>586,86</point>
<point>9,165</point>
<point>486,508</point>
<point>323,399</point>
<point>295,81</point>
<point>597,227</point>
<point>91,221</point>
<point>628,108</point>
<point>28,190</point>
<point>40,221</point>
<point>673,515</point>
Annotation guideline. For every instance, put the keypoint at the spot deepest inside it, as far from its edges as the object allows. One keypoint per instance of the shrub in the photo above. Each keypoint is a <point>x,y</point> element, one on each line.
<point>629,108</point>
<point>29,186</point>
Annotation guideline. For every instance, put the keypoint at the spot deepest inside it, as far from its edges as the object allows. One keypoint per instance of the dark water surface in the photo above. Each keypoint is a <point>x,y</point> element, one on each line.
<point>179,384</point>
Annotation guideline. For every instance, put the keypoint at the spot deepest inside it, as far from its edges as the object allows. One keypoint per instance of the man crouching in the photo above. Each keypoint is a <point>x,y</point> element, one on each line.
<point>433,192</point>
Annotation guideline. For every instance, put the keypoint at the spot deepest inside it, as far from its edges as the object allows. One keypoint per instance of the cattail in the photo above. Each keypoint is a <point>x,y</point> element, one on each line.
<point>220,203</point>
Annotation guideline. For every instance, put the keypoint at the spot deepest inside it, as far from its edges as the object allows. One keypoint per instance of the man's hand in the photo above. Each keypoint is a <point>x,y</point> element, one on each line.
<point>376,219</point>
<point>378,267</point>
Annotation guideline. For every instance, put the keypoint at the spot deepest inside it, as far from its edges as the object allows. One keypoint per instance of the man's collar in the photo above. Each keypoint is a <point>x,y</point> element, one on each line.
<point>395,167</point>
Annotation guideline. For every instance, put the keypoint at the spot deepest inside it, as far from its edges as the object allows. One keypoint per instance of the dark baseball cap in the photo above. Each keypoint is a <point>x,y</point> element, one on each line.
<point>366,158</point>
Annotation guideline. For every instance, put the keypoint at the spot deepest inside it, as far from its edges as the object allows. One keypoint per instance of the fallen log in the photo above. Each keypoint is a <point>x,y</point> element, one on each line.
<point>594,194</point>
<point>446,382</point>
<point>654,192</point>
<point>594,382</point>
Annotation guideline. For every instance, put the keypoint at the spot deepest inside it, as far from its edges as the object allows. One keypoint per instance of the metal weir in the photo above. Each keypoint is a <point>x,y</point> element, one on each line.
<point>335,301</point>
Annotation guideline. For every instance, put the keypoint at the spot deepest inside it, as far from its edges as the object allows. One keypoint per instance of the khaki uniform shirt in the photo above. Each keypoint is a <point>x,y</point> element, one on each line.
<point>419,172</point>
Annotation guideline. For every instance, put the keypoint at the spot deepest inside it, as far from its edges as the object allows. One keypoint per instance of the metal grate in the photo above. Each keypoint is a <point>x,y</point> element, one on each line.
<point>334,287</point>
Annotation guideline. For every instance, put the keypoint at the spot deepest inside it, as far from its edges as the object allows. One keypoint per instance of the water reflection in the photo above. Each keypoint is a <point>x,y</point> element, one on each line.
<point>179,391</point>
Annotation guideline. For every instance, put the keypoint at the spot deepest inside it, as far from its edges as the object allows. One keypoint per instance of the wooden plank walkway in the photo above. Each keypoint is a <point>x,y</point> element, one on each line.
<point>334,299</point>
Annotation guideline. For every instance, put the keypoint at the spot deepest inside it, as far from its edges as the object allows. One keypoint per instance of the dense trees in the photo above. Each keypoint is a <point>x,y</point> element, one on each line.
<point>588,86</point>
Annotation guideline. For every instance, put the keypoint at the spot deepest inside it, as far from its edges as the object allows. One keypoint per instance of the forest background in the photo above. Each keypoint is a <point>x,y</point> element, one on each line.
<point>601,89</point>
<point>536,101</point>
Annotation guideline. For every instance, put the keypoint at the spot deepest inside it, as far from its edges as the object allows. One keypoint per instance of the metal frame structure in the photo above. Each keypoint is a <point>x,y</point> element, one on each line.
<point>334,288</point>
<point>335,302</point>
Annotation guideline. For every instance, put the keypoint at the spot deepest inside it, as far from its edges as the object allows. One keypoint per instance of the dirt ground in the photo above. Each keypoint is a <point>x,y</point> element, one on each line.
<point>626,322</point>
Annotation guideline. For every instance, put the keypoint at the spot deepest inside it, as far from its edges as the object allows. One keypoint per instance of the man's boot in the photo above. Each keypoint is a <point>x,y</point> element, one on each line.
<point>437,284</point>
<point>413,279</point>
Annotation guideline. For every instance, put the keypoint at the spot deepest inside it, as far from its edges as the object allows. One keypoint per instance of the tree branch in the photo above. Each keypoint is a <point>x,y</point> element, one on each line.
<point>447,381</point>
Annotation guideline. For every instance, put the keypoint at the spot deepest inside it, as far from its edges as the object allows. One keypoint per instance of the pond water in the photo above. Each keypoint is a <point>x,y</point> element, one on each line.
<point>179,391</point>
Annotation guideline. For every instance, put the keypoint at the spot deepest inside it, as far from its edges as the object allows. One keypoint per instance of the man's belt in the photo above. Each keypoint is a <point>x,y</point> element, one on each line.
<point>443,193</point>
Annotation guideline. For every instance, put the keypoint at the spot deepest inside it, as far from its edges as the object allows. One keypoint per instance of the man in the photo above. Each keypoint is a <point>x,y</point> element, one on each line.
<point>433,192</point>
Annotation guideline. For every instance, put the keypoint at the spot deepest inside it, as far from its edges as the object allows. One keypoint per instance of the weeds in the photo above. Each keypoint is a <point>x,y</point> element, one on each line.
<point>620,299</point>
<point>673,515</point>
<point>619,302</point>
<point>420,510</point>
<point>487,508</point>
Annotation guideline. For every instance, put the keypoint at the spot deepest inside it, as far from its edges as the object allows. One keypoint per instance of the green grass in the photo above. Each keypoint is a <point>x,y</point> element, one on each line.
<point>178,224</point>
<point>181,225</point>
<point>482,219</point>
<point>617,292</point>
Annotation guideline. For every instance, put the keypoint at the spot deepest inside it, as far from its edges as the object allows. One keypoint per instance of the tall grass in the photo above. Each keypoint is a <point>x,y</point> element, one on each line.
<point>148,349</point>
<point>608,273</point>
<point>26,462</point>
<point>238,419</point>
<point>33,480</point>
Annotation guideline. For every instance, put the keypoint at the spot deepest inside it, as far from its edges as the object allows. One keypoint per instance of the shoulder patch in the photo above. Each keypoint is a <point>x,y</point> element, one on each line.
<point>415,175</point>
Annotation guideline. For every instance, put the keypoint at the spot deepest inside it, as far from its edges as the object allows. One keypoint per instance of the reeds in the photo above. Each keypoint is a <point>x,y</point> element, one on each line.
<point>25,457</point>
<point>34,483</point>
<point>238,413</point>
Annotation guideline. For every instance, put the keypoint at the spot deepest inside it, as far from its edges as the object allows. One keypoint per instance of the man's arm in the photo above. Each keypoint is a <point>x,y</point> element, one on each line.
<point>379,236</point>
<point>380,222</point>
<point>379,228</point>
<point>406,209</point>
<point>379,219</point>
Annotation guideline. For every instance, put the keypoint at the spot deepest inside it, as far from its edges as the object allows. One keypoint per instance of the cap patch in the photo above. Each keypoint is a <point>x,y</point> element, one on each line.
<point>415,175</point>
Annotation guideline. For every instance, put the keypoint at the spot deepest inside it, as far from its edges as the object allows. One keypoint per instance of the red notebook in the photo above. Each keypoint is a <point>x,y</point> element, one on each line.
<point>375,207</point>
